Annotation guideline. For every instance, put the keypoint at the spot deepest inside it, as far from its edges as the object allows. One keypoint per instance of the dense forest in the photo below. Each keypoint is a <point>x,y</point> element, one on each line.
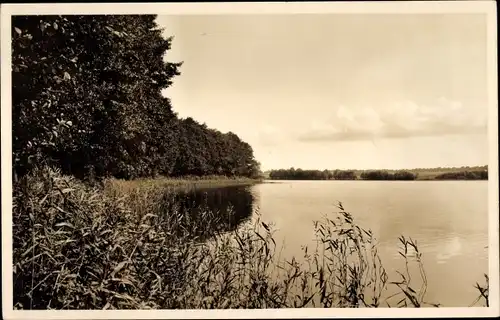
<point>299,174</point>
<point>386,175</point>
<point>463,173</point>
<point>86,98</point>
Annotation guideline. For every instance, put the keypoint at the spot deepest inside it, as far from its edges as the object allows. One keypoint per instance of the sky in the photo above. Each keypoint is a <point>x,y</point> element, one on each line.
<point>337,91</point>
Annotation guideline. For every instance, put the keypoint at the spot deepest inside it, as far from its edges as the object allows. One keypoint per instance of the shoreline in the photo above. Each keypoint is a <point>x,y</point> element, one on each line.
<point>361,180</point>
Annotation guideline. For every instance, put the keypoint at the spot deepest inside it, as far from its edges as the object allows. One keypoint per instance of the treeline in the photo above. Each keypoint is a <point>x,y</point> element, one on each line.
<point>299,174</point>
<point>440,170</point>
<point>386,175</point>
<point>86,98</point>
<point>464,175</point>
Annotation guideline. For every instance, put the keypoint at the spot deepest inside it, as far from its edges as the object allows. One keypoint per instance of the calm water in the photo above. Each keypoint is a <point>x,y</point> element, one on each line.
<point>447,218</point>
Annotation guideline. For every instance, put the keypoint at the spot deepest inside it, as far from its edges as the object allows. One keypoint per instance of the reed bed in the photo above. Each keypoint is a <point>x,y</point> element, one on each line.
<point>184,183</point>
<point>78,246</point>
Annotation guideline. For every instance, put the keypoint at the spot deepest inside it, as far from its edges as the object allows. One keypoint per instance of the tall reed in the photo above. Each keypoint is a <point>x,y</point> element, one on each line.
<point>78,246</point>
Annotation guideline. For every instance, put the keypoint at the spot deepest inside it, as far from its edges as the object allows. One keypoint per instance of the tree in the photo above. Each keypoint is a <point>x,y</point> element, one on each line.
<point>87,98</point>
<point>86,91</point>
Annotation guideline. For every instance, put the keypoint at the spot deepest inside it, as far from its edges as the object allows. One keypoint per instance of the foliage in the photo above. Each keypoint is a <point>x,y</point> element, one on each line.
<point>484,292</point>
<point>87,99</point>
<point>77,247</point>
<point>344,175</point>
<point>386,175</point>
<point>450,169</point>
<point>299,174</point>
<point>464,175</point>
<point>204,151</point>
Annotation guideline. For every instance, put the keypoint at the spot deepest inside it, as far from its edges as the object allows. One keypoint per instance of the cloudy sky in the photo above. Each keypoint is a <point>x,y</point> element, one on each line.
<point>337,90</point>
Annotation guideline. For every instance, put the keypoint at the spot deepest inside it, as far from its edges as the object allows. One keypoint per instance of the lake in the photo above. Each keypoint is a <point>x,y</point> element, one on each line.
<point>448,219</point>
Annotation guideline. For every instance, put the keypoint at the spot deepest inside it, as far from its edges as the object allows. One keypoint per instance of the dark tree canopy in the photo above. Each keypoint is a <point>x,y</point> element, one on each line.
<point>87,98</point>
<point>386,175</point>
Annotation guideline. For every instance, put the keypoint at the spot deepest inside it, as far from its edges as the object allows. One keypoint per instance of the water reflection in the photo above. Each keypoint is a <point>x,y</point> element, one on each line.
<point>450,247</point>
<point>233,205</point>
<point>449,221</point>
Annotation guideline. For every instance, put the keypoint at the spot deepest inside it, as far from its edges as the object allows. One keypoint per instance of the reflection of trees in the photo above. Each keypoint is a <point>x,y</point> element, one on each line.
<point>232,205</point>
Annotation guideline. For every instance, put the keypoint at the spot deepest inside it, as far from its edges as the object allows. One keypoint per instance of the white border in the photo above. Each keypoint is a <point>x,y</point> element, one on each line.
<point>484,7</point>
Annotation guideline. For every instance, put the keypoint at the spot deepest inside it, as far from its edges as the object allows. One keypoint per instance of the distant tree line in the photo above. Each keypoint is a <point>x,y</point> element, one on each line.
<point>450,169</point>
<point>386,175</point>
<point>344,175</point>
<point>86,97</point>
<point>464,175</point>
<point>299,174</point>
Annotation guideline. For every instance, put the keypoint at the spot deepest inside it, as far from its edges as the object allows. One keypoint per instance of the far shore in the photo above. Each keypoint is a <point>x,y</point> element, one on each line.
<point>430,174</point>
<point>365,180</point>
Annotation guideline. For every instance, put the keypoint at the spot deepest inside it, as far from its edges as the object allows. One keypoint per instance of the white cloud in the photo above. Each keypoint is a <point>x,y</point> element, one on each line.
<point>397,120</point>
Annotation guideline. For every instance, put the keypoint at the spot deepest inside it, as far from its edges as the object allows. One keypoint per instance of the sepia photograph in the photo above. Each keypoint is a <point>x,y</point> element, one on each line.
<point>249,160</point>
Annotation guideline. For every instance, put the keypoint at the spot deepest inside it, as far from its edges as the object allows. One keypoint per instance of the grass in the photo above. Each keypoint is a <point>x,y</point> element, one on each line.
<point>184,183</point>
<point>78,246</point>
